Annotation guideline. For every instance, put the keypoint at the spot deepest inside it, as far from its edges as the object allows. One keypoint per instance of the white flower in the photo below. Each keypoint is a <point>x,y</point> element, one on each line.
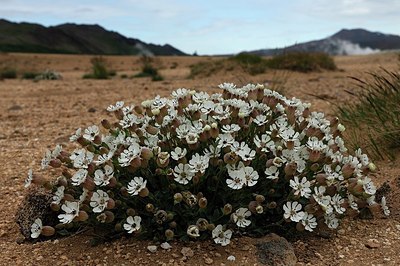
<point>84,195</point>
<point>103,178</point>
<point>81,158</point>
<point>319,196</point>
<point>28,180</point>
<point>331,221</point>
<point>272,172</point>
<point>315,144</point>
<point>248,174</point>
<point>178,153</point>
<point>309,222</point>
<point>58,195</point>
<point>183,173</point>
<point>221,236</point>
<point>118,105</point>
<point>238,180</point>
<point>132,224</point>
<point>239,217</point>
<point>129,154</point>
<point>76,135</point>
<point>212,152</point>
<point>36,228</point>
<point>229,129</point>
<point>199,163</point>
<point>293,211</point>
<point>245,152</point>
<point>79,177</point>
<point>192,138</point>
<point>224,140</point>
<point>99,201</point>
<point>46,159</point>
<point>302,188</point>
<point>368,186</point>
<point>91,132</point>
<point>260,120</point>
<point>337,202</point>
<point>385,208</point>
<point>71,209</point>
<point>264,143</point>
<point>136,185</point>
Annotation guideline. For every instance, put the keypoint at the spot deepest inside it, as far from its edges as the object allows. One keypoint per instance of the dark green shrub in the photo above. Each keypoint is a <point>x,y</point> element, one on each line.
<point>148,70</point>
<point>302,62</point>
<point>373,120</point>
<point>99,69</point>
<point>8,73</point>
<point>29,75</point>
<point>251,63</point>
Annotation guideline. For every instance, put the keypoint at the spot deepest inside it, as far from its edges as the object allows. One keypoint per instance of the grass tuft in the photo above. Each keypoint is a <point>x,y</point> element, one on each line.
<point>373,120</point>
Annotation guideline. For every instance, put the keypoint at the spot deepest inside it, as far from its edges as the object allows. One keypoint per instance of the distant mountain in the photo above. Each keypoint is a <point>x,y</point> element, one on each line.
<point>344,42</point>
<point>74,39</point>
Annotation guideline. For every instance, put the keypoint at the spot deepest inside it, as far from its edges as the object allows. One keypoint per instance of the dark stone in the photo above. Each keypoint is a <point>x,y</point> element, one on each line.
<point>274,250</point>
<point>36,204</point>
<point>92,110</point>
<point>15,108</point>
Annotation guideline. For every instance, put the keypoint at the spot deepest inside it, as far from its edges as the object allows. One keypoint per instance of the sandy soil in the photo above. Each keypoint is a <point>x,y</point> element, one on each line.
<point>37,115</point>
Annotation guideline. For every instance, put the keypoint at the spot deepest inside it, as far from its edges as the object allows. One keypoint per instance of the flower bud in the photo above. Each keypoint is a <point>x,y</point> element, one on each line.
<point>314,156</point>
<point>130,212</point>
<point>290,169</point>
<point>106,124</point>
<point>54,207</point>
<point>82,216</point>
<point>372,167</point>
<point>321,179</point>
<point>110,204</point>
<point>68,197</point>
<point>109,217</point>
<point>202,203</point>
<point>101,217</point>
<point>124,192</point>
<point>202,224</point>
<point>48,230</point>
<point>253,206</point>
<point>231,158</point>
<point>149,207</point>
<point>55,163</point>
<point>227,209</point>
<point>300,227</point>
<point>144,192</point>
<point>272,205</point>
<point>146,153</point>
<point>177,198</point>
<point>260,198</point>
<point>118,227</point>
<point>259,209</point>
<point>66,173</point>
<point>314,167</point>
<point>89,184</point>
<point>169,234</point>
<point>136,162</point>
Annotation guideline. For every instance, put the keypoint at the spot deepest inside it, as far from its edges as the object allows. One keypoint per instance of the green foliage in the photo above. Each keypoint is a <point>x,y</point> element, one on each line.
<point>373,119</point>
<point>30,75</point>
<point>48,75</point>
<point>99,69</point>
<point>196,166</point>
<point>148,70</point>
<point>8,73</point>
<point>302,62</point>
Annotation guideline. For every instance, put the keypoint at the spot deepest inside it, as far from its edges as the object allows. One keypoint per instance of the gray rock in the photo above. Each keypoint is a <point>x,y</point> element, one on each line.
<point>274,250</point>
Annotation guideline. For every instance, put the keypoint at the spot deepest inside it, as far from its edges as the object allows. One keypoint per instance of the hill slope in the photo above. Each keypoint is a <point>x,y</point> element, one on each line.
<point>74,39</point>
<point>344,42</point>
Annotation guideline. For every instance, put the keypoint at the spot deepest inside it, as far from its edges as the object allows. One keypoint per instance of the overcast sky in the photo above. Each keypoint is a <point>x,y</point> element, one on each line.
<point>214,26</point>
